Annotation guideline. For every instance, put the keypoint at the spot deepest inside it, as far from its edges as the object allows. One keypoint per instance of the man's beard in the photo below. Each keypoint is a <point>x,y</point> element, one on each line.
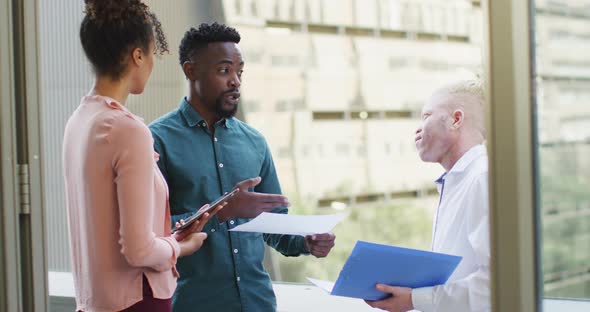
<point>224,113</point>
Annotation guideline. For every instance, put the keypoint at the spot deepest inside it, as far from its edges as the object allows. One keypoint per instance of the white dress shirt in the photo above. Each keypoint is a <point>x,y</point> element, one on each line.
<point>461,227</point>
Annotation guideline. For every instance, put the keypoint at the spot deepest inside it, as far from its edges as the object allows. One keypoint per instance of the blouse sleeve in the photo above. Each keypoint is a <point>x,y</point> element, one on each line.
<point>133,163</point>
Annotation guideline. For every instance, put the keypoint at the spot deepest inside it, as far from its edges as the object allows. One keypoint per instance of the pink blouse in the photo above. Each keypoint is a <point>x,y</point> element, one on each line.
<point>117,202</point>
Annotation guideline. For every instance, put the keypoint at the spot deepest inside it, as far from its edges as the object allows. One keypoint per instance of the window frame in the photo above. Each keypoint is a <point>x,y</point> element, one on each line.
<point>515,258</point>
<point>9,259</point>
<point>24,243</point>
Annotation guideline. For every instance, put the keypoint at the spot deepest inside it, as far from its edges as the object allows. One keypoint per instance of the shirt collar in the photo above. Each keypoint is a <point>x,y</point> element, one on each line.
<point>193,117</point>
<point>470,156</point>
<point>441,179</point>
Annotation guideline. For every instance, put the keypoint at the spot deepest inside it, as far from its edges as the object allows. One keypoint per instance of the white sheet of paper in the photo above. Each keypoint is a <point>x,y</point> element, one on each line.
<point>280,223</point>
<point>324,285</point>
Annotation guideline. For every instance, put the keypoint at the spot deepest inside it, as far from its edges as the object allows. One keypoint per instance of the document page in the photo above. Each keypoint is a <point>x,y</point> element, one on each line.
<point>280,223</point>
<point>324,285</point>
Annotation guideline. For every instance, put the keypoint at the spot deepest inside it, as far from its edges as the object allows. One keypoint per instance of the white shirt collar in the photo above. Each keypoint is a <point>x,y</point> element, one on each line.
<point>465,160</point>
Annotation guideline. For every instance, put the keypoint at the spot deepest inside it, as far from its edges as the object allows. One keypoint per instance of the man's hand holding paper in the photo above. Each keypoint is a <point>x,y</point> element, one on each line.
<point>317,229</point>
<point>320,245</point>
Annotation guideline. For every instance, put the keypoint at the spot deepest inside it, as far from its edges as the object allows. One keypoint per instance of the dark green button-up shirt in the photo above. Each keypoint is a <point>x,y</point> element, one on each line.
<point>226,274</point>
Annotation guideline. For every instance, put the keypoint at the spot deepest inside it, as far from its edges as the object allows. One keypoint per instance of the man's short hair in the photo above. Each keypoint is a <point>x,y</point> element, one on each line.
<point>472,88</point>
<point>469,95</point>
<point>196,39</point>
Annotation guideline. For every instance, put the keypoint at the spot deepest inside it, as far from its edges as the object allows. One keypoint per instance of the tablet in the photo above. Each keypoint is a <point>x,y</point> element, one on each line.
<point>188,221</point>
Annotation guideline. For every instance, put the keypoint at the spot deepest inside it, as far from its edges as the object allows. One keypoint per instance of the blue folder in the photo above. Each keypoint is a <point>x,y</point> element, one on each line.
<point>370,264</point>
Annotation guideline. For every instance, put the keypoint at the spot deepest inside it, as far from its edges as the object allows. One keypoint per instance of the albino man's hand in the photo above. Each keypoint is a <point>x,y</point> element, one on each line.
<point>400,300</point>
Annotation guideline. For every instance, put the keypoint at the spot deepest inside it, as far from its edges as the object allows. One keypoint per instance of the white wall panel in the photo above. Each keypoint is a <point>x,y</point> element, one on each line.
<point>561,41</point>
<point>400,74</point>
<point>331,80</point>
<point>337,12</point>
<point>314,11</point>
<point>330,157</point>
<point>365,13</point>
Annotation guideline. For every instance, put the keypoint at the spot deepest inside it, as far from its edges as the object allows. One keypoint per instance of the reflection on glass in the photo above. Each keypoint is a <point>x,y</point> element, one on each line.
<point>563,117</point>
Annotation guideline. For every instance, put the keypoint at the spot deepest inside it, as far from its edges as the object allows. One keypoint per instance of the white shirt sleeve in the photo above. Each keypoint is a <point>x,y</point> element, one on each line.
<point>471,293</point>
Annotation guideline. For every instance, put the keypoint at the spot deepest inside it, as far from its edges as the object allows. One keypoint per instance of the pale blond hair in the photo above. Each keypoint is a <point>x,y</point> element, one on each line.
<point>467,95</point>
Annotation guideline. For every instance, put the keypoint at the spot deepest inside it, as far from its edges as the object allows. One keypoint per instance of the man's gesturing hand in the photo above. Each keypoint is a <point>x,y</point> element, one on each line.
<point>248,204</point>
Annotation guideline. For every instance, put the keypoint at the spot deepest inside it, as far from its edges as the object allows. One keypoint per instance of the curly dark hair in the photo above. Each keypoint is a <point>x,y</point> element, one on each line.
<point>112,28</point>
<point>196,39</point>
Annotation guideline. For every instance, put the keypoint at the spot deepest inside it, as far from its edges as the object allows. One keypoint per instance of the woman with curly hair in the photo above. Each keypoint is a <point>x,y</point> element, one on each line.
<point>123,253</point>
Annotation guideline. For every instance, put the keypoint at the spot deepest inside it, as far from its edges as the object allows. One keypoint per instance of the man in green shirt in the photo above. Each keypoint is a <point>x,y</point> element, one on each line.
<point>205,151</point>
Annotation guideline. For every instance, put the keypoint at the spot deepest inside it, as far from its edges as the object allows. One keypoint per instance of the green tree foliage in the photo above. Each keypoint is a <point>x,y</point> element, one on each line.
<point>564,195</point>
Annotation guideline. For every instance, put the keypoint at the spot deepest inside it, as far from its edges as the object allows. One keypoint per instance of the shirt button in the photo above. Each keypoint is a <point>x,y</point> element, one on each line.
<point>231,222</point>
<point>235,250</point>
<point>220,165</point>
<point>215,139</point>
<point>212,230</point>
<point>238,278</point>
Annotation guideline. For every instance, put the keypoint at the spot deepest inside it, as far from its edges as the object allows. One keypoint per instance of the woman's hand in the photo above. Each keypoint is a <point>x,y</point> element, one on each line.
<point>190,239</point>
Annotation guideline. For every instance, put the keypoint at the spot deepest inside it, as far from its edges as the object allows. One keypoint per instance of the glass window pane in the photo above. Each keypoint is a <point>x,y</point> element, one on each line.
<point>562,35</point>
<point>339,105</point>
